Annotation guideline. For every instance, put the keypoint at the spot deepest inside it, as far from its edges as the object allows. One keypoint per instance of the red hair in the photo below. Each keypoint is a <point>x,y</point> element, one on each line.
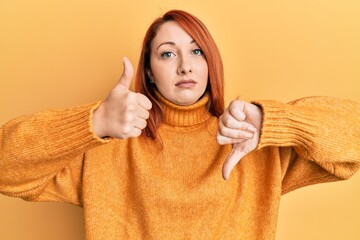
<point>197,30</point>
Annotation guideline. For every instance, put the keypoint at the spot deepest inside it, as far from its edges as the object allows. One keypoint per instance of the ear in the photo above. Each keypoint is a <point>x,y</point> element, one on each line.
<point>149,73</point>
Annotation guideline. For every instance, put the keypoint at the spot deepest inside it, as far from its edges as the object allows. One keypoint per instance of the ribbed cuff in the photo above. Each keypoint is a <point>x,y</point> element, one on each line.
<point>285,125</point>
<point>70,131</point>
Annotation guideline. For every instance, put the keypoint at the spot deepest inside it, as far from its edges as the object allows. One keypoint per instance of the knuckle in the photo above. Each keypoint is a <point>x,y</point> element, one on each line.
<point>227,122</point>
<point>219,139</point>
<point>241,135</point>
<point>130,97</point>
<point>123,75</point>
<point>222,131</point>
<point>244,135</point>
<point>234,111</point>
<point>128,117</point>
<point>234,103</point>
<point>139,95</point>
<point>242,125</point>
<point>130,107</point>
<point>127,96</point>
<point>125,129</point>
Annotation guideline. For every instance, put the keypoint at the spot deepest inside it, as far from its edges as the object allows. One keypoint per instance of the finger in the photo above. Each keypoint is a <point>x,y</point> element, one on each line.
<point>235,133</point>
<point>232,160</point>
<point>236,110</point>
<point>144,101</point>
<point>142,112</point>
<point>127,75</point>
<point>140,123</point>
<point>135,132</point>
<point>229,121</point>
<point>225,140</point>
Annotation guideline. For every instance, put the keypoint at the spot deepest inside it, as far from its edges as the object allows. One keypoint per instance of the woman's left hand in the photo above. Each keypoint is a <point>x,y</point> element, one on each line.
<point>240,125</point>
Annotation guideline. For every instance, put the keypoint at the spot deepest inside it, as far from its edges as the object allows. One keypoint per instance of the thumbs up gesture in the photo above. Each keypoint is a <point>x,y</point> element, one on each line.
<point>240,126</point>
<point>123,113</point>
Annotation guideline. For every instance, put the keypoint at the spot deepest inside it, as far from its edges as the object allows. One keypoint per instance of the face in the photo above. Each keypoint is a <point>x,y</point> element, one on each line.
<point>178,66</point>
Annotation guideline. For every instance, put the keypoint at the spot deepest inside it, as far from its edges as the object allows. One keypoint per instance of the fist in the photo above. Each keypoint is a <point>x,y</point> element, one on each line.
<point>123,113</point>
<point>240,125</point>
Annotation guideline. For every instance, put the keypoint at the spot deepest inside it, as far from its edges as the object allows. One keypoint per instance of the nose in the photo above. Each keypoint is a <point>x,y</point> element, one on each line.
<point>184,66</point>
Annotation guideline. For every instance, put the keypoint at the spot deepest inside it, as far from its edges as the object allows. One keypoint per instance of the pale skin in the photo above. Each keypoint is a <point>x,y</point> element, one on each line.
<point>180,72</point>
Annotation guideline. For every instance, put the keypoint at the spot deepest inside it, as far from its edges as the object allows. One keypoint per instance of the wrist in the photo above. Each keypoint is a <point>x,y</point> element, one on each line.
<point>98,126</point>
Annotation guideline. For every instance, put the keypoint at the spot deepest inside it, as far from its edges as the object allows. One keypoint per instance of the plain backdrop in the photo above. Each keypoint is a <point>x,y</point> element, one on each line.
<point>60,54</point>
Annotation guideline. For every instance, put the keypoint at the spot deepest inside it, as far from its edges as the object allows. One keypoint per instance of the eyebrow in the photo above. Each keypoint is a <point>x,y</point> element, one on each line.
<point>172,43</point>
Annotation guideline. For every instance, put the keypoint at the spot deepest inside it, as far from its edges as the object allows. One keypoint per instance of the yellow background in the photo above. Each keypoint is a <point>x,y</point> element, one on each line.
<point>56,54</point>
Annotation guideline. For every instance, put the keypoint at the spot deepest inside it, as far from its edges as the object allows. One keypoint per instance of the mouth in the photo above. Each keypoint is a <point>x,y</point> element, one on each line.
<point>186,83</point>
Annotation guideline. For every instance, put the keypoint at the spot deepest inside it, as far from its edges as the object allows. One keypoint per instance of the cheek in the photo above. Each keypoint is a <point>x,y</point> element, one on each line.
<point>204,72</point>
<point>156,70</point>
<point>159,75</point>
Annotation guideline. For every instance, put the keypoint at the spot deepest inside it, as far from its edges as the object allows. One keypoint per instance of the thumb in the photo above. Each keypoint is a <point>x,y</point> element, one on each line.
<point>233,159</point>
<point>238,112</point>
<point>127,75</point>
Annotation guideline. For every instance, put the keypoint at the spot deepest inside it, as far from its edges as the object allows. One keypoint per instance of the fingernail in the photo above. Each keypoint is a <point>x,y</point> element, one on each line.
<point>242,116</point>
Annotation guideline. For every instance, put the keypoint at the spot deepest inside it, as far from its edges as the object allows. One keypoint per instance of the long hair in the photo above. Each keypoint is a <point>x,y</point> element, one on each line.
<point>197,30</point>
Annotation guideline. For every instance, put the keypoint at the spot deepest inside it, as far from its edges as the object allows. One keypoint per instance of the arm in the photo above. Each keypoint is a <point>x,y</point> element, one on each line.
<point>319,139</point>
<point>41,155</point>
<point>44,150</point>
<point>314,134</point>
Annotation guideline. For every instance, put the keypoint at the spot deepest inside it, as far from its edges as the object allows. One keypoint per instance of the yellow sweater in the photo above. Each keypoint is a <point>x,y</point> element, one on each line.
<point>134,189</point>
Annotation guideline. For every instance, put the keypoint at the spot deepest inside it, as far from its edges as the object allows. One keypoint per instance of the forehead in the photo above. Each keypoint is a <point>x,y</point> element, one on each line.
<point>171,32</point>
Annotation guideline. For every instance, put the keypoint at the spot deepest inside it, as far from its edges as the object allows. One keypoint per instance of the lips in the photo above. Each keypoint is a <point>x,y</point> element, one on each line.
<point>185,82</point>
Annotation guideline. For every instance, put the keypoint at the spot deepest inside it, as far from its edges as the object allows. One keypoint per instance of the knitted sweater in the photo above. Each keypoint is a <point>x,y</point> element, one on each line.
<point>140,189</point>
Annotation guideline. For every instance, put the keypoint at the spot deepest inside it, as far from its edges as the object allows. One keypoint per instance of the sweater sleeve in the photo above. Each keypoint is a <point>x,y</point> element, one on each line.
<point>318,139</point>
<point>41,155</point>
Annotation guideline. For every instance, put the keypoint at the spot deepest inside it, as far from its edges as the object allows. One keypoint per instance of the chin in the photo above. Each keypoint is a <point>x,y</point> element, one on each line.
<point>188,98</point>
<point>186,102</point>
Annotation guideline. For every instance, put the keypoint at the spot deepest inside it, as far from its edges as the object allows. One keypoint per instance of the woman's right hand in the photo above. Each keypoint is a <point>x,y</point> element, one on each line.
<point>123,113</point>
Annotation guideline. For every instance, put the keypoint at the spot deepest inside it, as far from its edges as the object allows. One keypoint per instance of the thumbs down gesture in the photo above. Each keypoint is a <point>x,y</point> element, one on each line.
<point>123,113</point>
<point>240,125</point>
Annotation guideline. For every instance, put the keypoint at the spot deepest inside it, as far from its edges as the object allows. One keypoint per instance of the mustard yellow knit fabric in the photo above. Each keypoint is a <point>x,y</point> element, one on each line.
<point>141,189</point>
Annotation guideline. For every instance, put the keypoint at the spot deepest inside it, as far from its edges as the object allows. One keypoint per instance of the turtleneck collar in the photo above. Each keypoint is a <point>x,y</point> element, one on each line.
<point>177,115</point>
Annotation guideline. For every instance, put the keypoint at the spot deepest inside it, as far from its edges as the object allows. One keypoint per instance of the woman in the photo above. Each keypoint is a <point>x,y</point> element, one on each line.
<point>150,164</point>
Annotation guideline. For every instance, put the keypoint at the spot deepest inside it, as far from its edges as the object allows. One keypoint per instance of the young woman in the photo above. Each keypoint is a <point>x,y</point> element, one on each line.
<point>151,164</point>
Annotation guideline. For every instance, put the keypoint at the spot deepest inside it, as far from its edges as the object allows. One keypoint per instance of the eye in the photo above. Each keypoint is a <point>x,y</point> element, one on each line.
<point>167,55</point>
<point>197,51</point>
